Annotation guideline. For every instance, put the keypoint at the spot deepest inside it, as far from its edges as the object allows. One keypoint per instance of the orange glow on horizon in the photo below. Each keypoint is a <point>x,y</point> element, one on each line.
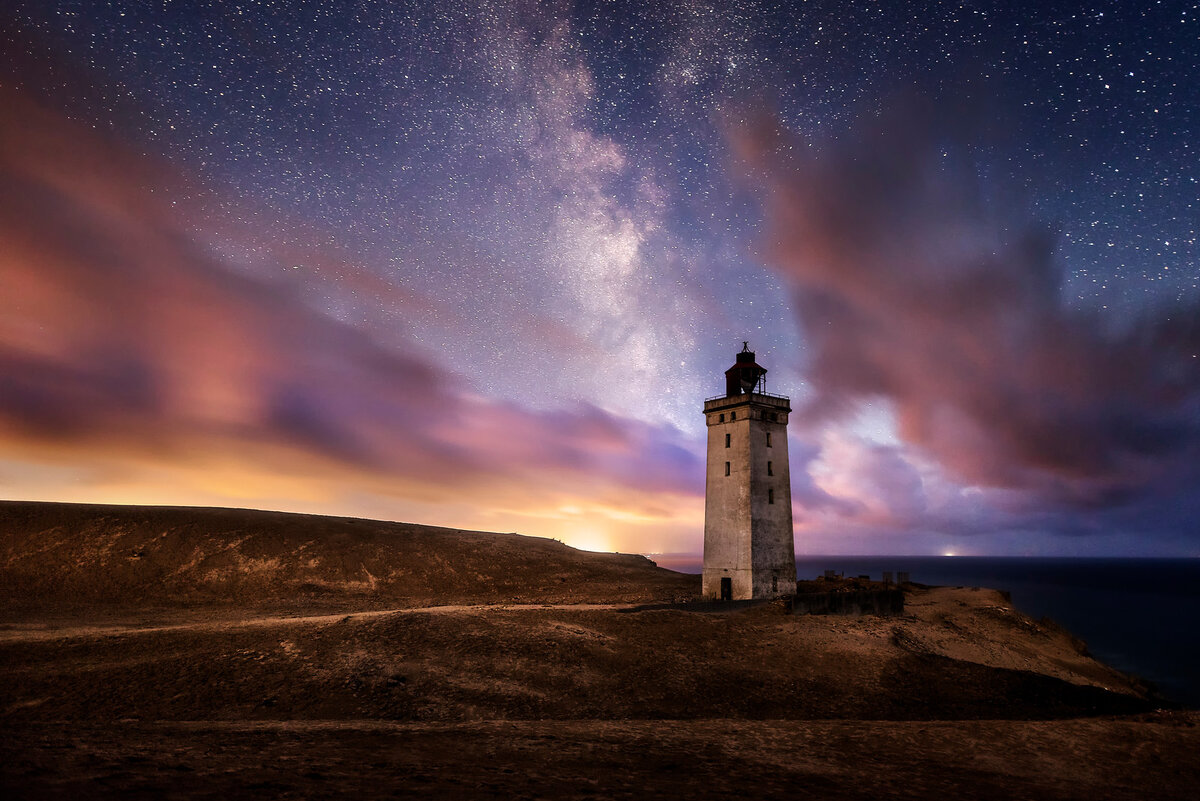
<point>282,479</point>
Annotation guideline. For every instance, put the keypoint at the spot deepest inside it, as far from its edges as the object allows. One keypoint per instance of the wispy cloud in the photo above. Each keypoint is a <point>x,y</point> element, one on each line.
<point>127,344</point>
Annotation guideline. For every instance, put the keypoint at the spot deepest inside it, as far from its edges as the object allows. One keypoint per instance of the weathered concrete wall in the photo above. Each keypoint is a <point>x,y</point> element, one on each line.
<point>772,546</point>
<point>860,602</point>
<point>748,513</point>
<point>727,506</point>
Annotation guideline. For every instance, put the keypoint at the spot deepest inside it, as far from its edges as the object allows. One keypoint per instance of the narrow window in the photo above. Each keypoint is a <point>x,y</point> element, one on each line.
<point>726,440</point>
<point>770,471</point>
<point>770,494</point>
<point>733,415</point>
<point>768,439</point>
<point>722,418</point>
<point>727,468</point>
<point>774,583</point>
<point>774,417</point>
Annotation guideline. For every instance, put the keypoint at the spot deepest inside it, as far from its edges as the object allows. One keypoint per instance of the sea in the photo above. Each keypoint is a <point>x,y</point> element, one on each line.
<point>1141,616</point>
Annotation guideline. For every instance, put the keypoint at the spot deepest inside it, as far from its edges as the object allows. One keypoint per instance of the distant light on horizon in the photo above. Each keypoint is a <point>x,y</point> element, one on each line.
<point>590,540</point>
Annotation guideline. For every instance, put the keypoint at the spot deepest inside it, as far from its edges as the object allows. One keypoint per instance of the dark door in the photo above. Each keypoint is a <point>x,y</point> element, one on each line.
<point>726,588</point>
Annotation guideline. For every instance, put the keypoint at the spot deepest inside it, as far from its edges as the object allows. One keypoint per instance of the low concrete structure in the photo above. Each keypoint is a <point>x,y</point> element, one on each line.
<point>748,547</point>
<point>855,602</point>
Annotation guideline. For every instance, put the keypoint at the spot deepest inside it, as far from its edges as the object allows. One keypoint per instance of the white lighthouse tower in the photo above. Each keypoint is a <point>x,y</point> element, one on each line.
<point>748,546</point>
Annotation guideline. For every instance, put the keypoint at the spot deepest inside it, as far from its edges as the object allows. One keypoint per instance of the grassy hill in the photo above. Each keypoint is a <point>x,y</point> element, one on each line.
<point>202,653</point>
<point>76,555</point>
<point>177,611</point>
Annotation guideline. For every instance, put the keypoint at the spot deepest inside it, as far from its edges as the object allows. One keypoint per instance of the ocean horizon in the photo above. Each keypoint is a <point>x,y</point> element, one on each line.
<point>1136,614</point>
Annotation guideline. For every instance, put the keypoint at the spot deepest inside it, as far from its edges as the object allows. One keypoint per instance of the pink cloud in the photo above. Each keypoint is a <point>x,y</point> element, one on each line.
<point>122,334</point>
<point>909,286</point>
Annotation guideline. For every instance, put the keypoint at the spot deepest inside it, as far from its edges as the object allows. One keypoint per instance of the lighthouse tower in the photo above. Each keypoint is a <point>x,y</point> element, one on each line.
<point>748,546</point>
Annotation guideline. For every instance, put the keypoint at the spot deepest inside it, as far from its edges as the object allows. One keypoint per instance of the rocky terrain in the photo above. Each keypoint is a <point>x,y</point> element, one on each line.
<point>209,653</point>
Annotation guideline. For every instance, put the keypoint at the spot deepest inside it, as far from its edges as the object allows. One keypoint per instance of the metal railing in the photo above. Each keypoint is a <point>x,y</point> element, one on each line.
<point>749,395</point>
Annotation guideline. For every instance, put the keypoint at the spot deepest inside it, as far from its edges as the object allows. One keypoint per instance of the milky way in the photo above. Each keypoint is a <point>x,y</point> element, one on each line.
<point>344,258</point>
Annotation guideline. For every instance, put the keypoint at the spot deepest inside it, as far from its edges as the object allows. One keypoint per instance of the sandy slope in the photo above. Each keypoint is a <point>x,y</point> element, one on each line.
<point>972,625</point>
<point>959,655</point>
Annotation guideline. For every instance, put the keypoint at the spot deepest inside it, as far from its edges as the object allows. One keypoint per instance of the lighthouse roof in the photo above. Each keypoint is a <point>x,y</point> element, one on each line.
<point>746,359</point>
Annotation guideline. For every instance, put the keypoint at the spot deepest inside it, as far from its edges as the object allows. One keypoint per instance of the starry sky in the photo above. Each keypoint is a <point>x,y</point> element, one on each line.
<point>479,264</point>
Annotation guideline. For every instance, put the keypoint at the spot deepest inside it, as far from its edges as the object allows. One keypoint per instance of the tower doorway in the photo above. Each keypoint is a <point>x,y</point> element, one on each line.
<point>726,588</point>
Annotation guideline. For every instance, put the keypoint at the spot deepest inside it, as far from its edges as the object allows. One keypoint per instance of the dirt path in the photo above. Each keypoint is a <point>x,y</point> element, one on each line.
<point>47,632</point>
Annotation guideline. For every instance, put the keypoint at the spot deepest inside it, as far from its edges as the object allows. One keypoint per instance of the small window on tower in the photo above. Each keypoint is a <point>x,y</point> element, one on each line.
<point>770,496</point>
<point>774,417</point>
<point>770,471</point>
<point>726,440</point>
<point>727,468</point>
<point>768,439</point>
<point>733,415</point>
<point>722,418</point>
